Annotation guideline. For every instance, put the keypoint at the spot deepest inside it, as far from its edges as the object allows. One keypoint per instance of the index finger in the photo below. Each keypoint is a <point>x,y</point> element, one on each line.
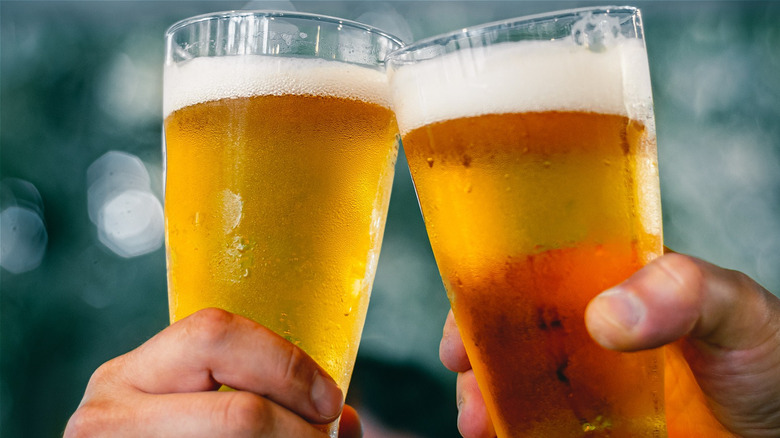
<point>452,352</point>
<point>213,347</point>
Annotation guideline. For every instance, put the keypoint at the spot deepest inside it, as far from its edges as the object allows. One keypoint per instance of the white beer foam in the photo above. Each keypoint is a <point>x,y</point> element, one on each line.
<point>526,76</point>
<point>212,78</point>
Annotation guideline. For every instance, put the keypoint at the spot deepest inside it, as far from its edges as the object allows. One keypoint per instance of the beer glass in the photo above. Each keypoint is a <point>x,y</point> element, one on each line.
<point>532,147</point>
<point>280,148</point>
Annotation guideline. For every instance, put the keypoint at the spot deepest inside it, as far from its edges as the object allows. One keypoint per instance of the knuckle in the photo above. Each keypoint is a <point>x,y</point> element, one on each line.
<point>89,420</point>
<point>209,327</point>
<point>102,373</point>
<point>96,413</point>
<point>106,375</point>
<point>682,273</point>
<point>78,425</point>
<point>683,268</point>
<point>294,365</point>
<point>247,414</point>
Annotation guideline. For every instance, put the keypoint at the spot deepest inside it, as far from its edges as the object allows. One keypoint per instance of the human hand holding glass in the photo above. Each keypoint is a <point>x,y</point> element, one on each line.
<point>167,386</point>
<point>722,335</point>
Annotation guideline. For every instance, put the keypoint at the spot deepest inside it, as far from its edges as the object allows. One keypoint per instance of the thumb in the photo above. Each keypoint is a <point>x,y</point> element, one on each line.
<point>657,305</point>
<point>678,295</point>
<point>730,327</point>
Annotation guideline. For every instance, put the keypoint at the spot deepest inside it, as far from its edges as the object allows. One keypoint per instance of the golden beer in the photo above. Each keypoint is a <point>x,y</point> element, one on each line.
<point>535,201</point>
<point>549,200</point>
<point>278,179</point>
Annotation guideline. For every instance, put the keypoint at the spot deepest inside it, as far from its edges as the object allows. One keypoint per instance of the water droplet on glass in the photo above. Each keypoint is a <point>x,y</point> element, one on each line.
<point>595,33</point>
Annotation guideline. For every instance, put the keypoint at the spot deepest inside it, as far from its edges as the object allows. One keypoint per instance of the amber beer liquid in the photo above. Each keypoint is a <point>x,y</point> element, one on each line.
<point>276,193</point>
<point>539,190</point>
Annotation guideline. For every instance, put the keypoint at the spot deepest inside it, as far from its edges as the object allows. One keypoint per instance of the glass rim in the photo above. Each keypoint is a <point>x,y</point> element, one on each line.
<point>282,14</point>
<point>471,31</point>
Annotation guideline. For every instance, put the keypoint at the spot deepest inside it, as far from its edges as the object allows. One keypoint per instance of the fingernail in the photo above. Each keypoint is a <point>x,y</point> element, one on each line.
<point>461,401</point>
<point>620,307</point>
<point>326,396</point>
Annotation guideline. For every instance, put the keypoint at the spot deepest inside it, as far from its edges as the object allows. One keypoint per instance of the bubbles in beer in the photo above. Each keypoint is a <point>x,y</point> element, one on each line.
<point>232,210</point>
<point>598,423</point>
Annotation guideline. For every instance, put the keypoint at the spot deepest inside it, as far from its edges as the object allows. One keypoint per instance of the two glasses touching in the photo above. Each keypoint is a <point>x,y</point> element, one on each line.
<point>531,144</point>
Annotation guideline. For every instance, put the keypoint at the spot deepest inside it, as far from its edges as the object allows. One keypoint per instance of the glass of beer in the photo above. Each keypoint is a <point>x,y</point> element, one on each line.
<point>532,147</point>
<point>280,149</point>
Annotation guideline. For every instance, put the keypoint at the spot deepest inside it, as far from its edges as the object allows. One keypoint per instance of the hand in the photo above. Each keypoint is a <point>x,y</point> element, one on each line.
<point>168,386</point>
<point>722,332</point>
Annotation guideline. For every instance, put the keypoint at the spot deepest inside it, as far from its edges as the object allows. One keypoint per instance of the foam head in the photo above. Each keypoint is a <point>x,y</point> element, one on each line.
<point>525,76</point>
<point>212,78</point>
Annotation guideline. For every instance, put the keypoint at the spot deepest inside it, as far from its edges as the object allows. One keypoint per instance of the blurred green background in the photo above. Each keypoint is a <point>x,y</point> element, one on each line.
<point>81,78</point>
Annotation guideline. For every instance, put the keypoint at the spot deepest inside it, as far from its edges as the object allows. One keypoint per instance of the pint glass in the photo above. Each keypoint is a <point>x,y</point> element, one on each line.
<point>532,147</point>
<point>280,149</point>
